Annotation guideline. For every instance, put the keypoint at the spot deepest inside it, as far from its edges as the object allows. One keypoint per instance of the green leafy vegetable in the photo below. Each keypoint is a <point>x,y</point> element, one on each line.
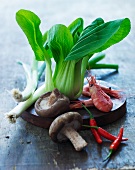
<point>29,23</point>
<point>76,28</point>
<point>71,48</point>
<point>60,41</point>
<point>92,26</point>
<point>100,38</point>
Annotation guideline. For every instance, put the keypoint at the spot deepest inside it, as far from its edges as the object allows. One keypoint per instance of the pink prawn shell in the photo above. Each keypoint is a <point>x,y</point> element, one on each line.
<point>100,99</point>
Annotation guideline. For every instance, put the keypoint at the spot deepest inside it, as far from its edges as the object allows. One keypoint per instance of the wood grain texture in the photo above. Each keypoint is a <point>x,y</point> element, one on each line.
<point>118,110</point>
<point>24,146</point>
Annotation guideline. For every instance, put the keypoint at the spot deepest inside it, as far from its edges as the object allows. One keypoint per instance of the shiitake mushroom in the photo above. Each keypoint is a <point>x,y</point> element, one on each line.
<point>52,104</point>
<point>65,127</point>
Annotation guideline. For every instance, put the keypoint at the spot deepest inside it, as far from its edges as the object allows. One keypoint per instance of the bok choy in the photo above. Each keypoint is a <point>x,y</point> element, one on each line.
<point>71,48</point>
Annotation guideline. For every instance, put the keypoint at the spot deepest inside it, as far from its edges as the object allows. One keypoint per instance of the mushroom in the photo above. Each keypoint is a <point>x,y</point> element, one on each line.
<point>52,104</point>
<point>65,127</point>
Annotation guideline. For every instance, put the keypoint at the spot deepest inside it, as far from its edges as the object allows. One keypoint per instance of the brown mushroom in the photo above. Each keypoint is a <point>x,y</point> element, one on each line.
<point>52,104</point>
<point>65,127</point>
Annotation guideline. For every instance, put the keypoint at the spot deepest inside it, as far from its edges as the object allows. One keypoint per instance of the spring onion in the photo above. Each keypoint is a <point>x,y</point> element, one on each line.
<point>32,81</point>
<point>93,63</point>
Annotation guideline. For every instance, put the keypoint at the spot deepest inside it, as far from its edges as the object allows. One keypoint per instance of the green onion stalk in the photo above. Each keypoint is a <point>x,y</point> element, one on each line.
<point>32,80</point>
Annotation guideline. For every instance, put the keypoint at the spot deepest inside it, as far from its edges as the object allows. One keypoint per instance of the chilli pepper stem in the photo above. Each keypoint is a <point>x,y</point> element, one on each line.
<point>91,116</point>
<point>94,127</point>
<point>108,156</point>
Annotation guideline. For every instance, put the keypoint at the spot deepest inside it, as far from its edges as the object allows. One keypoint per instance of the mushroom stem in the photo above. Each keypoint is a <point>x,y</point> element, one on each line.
<point>78,142</point>
<point>52,99</point>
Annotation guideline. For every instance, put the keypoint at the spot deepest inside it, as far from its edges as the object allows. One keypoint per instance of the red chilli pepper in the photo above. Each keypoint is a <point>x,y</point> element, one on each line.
<point>106,134</point>
<point>92,122</point>
<point>114,146</point>
<point>95,133</point>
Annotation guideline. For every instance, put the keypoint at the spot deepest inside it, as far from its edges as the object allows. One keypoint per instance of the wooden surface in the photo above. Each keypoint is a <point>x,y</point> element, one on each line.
<point>25,146</point>
<point>102,118</point>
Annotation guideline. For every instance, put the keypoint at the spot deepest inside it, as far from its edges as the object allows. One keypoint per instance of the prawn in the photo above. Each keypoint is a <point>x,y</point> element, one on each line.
<point>99,96</point>
<point>108,90</point>
<point>100,99</point>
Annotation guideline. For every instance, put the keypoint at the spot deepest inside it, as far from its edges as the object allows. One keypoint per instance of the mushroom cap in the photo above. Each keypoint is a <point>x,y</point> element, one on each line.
<point>72,119</point>
<point>59,105</point>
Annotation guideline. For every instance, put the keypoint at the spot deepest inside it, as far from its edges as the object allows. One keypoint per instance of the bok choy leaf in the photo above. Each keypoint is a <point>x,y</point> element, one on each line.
<point>90,27</point>
<point>100,38</point>
<point>76,28</point>
<point>29,23</point>
<point>60,42</point>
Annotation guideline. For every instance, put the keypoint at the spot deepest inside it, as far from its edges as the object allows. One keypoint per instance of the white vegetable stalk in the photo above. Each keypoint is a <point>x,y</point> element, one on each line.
<point>21,107</point>
<point>32,80</point>
<point>83,70</point>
